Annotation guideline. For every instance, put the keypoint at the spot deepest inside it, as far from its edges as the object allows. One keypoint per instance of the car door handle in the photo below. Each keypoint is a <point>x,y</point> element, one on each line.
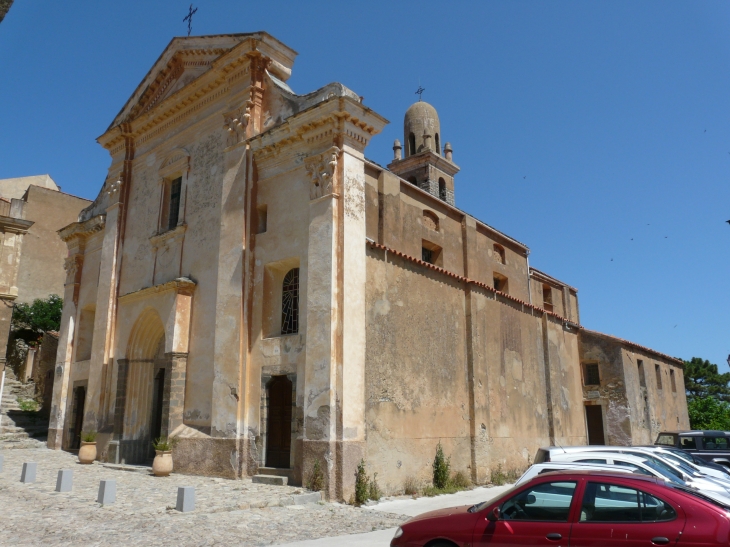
<point>554,537</point>
<point>659,540</point>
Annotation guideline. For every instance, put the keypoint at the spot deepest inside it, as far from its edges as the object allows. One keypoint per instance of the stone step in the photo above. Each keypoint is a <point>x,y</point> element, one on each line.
<point>278,472</point>
<point>270,479</point>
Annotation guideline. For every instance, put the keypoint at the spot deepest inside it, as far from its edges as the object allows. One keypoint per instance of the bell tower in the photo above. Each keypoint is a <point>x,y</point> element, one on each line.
<point>424,164</point>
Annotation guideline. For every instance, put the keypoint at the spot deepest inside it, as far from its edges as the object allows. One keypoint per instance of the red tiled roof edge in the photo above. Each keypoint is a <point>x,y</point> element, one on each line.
<point>473,282</point>
<point>638,346</point>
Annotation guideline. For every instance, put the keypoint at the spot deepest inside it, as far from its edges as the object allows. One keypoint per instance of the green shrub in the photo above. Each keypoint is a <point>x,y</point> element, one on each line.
<point>441,468</point>
<point>362,486</point>
<point>374,492</point>
<point>27,405</point>
<point>411,486</point>
<point>460,480</point>
<point>88,436</point>
<point>315,482</point>
<point>164,444</point>
<point>499,477</point>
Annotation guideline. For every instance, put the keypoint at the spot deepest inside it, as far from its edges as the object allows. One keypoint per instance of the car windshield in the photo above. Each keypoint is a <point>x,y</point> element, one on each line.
<point>485,504</point>
<point>665,471</point>
<point>686,456</point>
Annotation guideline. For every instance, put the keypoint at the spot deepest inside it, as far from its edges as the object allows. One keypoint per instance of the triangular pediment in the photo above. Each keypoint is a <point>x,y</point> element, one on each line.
<point>184,60</point>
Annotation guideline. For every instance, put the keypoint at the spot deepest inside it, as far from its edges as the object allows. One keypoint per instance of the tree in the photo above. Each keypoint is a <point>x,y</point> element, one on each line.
<point>708,413</point>
<point>702,379</point>
<point>30,321</point>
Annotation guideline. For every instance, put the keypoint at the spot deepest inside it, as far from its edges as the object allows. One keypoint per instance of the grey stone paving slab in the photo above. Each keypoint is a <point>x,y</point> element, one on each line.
<point>270,479</point>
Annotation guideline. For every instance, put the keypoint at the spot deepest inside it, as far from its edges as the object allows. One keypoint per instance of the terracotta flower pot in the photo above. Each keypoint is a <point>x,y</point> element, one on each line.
<point>162,464</point>
<point>87,452</point>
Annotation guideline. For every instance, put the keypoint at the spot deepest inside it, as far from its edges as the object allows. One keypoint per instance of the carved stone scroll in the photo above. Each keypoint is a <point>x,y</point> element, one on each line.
<point>236,122</point>
<point>321,170</point>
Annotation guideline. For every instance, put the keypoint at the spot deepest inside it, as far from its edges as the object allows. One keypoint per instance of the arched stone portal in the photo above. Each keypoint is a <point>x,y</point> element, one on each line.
<point>143,390</point>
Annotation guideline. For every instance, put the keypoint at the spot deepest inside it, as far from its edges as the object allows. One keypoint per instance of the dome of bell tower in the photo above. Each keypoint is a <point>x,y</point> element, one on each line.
<point>421,129</point>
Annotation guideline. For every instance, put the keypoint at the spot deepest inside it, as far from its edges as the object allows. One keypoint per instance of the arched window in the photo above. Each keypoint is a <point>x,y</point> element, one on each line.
<point>438,144</point>
<point>442,189</point>
<point>290,302</point>
<point>411,144</point>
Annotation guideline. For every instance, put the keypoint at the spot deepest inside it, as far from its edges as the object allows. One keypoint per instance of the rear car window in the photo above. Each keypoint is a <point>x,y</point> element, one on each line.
<point>688,443</point>
<point>604,502</point>
<point>666,439</point>
<point>713,442</point>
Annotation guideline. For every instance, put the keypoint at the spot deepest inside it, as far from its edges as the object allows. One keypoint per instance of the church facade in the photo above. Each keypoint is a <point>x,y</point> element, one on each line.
<point>248,282</point>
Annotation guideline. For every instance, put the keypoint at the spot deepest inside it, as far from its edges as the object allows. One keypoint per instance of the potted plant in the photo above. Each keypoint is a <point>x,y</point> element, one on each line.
<point>87,451</point>
<point>162,464</point>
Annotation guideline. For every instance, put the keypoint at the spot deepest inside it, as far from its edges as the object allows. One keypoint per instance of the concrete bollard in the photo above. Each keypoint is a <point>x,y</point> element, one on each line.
<point>185,499</point>
<point>64,482</point>
<point>28,474</point>
<point>107,492</point>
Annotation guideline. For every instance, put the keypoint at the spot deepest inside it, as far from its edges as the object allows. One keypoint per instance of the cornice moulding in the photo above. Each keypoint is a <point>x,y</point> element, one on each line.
<point>83,229</point>
<point>15,225</point>
<point>181,285</point>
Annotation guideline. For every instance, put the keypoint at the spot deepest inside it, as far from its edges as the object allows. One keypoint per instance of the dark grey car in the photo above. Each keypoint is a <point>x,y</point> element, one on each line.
<point>711,446</point>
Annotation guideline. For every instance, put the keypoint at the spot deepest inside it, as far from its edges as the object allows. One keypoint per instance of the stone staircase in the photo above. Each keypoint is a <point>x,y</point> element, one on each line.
<point>22,428</point>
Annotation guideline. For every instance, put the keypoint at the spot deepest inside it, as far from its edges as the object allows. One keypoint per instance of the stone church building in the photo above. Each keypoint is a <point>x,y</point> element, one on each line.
<point>250,283</point>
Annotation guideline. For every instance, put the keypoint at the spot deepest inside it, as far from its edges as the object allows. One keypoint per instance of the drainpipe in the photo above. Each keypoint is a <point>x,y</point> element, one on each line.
<point>529,284</point>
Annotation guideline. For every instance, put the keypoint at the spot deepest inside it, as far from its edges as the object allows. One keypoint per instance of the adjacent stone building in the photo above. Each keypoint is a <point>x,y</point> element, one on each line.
<point>32,210</point>
<point>249,282</point>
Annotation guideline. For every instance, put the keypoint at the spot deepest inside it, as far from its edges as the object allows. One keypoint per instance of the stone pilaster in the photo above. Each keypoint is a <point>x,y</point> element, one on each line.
<point>121,397</point>
<point>173,402</point>
<point>63,356</point>
<point>105,304</point>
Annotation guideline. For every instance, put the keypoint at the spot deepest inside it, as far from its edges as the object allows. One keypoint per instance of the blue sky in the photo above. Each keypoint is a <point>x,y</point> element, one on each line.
<point>595,132</point>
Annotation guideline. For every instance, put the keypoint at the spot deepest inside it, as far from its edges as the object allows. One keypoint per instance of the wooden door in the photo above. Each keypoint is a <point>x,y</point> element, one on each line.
<point>79,402</point>
<point>278,430</point>
<point>594,421</point>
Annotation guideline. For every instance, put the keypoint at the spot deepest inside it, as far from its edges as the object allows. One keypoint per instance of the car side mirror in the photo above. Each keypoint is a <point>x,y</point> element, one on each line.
<point>494,514</point>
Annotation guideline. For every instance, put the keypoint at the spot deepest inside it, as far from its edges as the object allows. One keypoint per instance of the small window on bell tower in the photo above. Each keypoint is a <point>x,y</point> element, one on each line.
<point>411,144</point>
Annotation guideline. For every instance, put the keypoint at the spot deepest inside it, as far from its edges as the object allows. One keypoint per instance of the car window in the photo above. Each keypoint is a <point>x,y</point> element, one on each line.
<point>546,502</point>
<point>688,443</point>
<point>666,439</point>
<point>634,468</point>
<point>714,443</point>
<point>593,460</point>
<point>603,502</point>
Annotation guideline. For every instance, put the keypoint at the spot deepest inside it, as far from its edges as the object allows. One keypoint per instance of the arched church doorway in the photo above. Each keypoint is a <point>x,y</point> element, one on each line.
<point>143,384</point>
<point>278,424</point>
<point>79,401</point>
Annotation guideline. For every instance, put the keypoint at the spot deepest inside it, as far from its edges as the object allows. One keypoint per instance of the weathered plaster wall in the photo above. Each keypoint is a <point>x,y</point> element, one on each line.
<point>633,413</point>
<point>41,269</point>
<point>416,379</point>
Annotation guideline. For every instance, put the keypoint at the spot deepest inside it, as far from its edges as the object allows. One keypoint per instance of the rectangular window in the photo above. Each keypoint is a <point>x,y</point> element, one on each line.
<point>674,382</point>
<point>174,209</point>
<point>715,443</point>
<point>427,255</point>
<point>431,253</point>
<point>591,376</point>
<point>501,283</point>
<point>262,211</point>
<point>658,376</point>
<point>687,443</point>
<point>642,377</point>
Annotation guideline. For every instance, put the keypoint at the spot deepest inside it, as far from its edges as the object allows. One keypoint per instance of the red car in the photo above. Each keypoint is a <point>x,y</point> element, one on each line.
<point>577,509</point>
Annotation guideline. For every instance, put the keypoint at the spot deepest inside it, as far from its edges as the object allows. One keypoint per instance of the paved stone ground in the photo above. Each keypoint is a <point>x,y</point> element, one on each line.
<point>227,511</point>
